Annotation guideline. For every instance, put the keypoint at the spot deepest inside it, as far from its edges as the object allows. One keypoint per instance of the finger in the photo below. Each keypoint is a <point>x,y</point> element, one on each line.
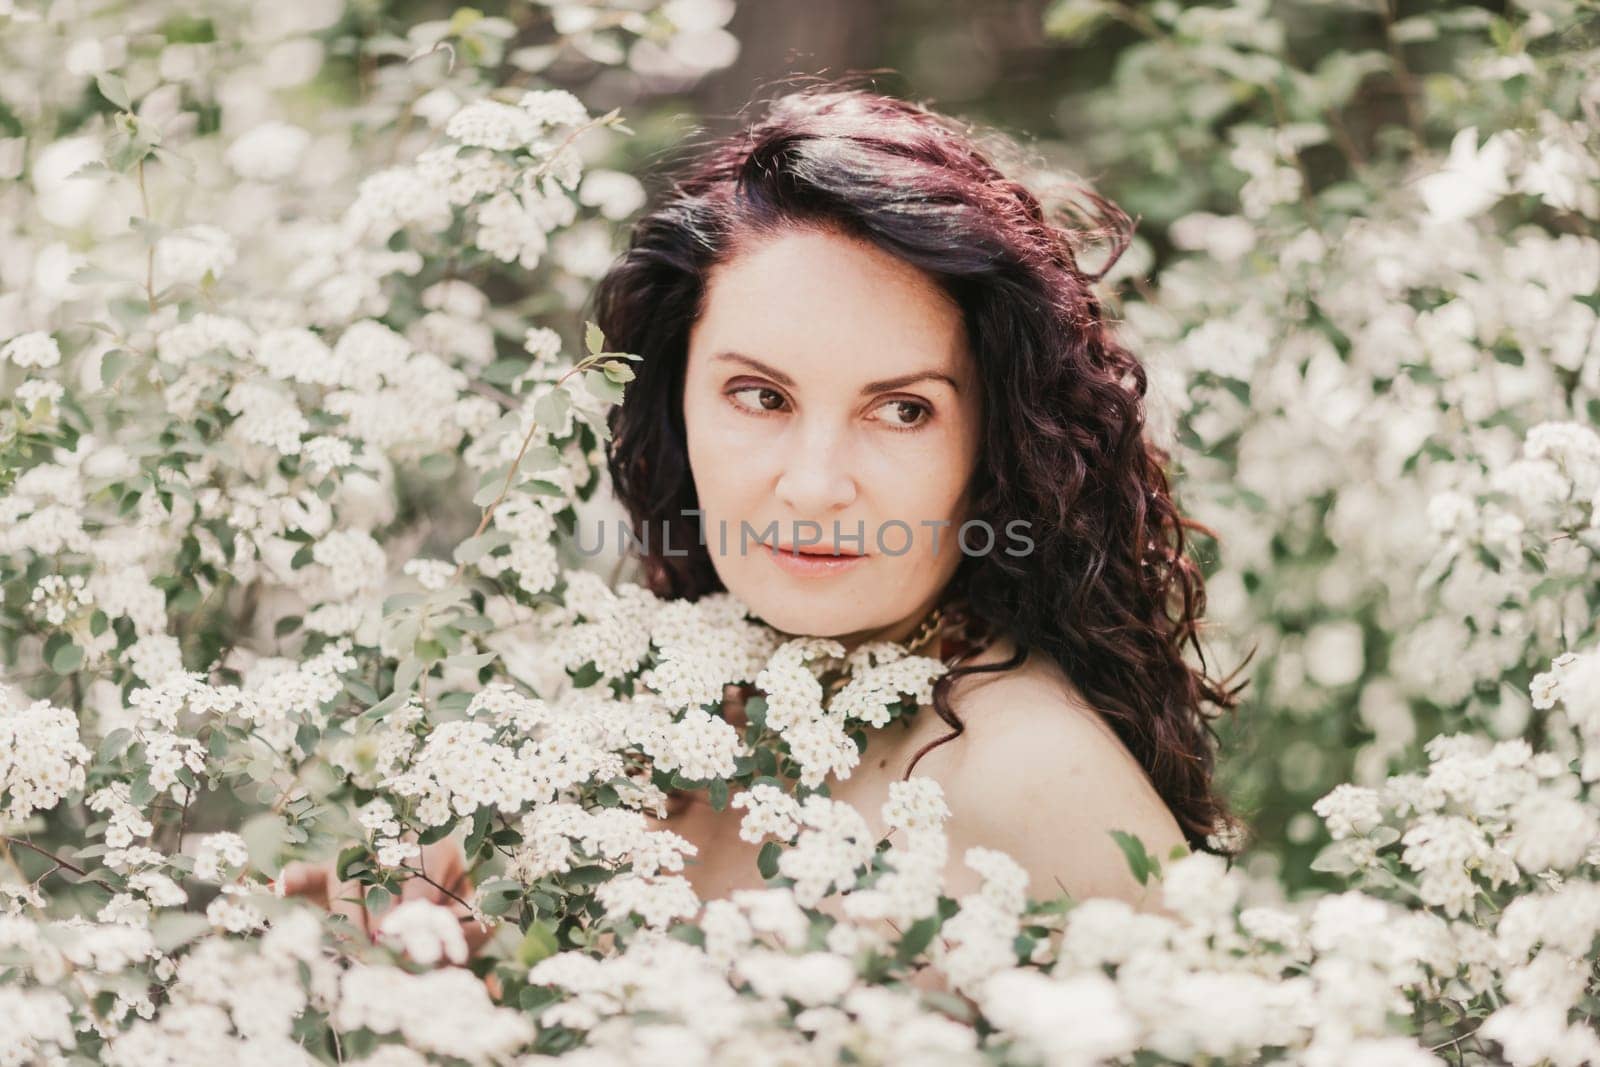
<point>305,879</point>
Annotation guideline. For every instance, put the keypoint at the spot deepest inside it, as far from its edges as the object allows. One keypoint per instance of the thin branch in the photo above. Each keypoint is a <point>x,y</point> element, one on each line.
<point>150,252</point>
<point>420,874</point>
<point>51,856</point>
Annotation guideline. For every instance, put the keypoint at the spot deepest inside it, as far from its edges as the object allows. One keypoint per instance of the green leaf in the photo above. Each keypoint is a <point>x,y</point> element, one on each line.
<point>767,861</point>
<point>66,658</point>
<point>475,548</point>
<point>498,897</point>
<point>405,676</point>
<point>718,794</point>
<point>535,998</point>
<point>264,835</point>
<point>537,943</point>
<point>1139,861</point>
<point>470,662</point>
<point>504,371</point>
<point>917,938</point>
<point>171,929</point>
<point>353,861</point>
<point>487,495</point>
<point>112,364</point>
<point>480,831</point>
<point>593,874</point>
<point>602,388</point>
<point>386,705</point>
<point>114,89</point>
<point>378,899</point>
<point>114,744</point>
<point>550,410</point>
<point>402,601</point>
<point>593,339</point>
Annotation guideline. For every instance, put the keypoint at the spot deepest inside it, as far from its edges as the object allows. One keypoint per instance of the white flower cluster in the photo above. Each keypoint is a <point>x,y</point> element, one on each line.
<point>377,817</point>
<point>556,836</point>
<point>446,1012</point>
<point>219,856</point>
<point>425,932</point>
<point>58,598</point>
<point>880,674</point>
<point>910,889</point>
<point>833,844</point>
<point>816,737</point>
<point>31,350</point>
<point>41,758</point>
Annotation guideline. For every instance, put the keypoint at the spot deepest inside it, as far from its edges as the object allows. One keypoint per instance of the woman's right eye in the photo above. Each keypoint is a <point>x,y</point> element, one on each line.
<point>766,400</point>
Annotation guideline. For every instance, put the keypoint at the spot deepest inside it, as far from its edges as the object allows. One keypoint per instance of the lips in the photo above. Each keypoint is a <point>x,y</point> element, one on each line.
<point>815,550</point>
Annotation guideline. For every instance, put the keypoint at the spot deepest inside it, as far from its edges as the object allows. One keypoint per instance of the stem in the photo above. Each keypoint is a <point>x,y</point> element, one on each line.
<point>516,464</point>
<point>183,817</point>
<point>51,856</point>
<point>420,874</point>
<point>150,252</point>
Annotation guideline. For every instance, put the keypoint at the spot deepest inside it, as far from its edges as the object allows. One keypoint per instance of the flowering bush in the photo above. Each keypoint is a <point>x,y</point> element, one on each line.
<point>251,338</point>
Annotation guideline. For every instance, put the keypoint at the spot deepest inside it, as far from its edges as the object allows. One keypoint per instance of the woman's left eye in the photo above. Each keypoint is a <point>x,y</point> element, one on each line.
<point>903,409</point>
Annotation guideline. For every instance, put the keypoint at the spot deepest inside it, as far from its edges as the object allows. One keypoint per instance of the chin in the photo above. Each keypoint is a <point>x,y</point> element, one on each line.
<point>819,615</point>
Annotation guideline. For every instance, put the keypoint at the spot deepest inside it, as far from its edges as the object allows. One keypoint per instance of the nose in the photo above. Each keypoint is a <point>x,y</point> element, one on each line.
<point>816,477</point>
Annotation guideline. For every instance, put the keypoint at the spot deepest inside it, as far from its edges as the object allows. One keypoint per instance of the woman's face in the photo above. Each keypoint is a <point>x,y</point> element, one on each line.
<point>830,383</point>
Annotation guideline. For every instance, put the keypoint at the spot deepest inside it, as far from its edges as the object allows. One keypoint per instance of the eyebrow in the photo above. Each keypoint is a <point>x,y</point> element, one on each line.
<point>870,388</point>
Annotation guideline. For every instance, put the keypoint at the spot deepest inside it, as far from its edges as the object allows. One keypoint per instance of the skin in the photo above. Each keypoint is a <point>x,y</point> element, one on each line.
<point>782,424</point>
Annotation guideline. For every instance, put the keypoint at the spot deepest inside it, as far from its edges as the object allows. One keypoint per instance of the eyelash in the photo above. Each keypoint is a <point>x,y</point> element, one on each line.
<point>919,424</point>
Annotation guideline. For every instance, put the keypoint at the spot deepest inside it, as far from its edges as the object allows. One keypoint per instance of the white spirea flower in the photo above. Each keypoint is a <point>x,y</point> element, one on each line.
<point>396,198</point>
<point>41,758</point>
<point>219,855</point>
<point>491,124</point>
<point>554,107</point>
<point>189,255</point>
<point>432,574</point>
<point>768,810</point>
<point>59,597</point>
<point>915,804</point>
<point>1350,810</point>
<point>834,844</point>
<point>35,393</point>
<point>1076,1019</point>
<point>31,350</point>
<point>881,674</point>
<point>810,978</point>
<point>268,152</point>
<point>424,931</point>
<point>657,901</point>
<point>446,1012</point>
<point>1471,180</point>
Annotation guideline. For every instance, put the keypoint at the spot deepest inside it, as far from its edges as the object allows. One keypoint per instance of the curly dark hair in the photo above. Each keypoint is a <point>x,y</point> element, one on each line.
<point>1109,591</point>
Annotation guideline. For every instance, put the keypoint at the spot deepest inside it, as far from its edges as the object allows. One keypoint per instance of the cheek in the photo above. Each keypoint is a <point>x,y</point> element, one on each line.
<point>920,479</point>
<point>725,460</point>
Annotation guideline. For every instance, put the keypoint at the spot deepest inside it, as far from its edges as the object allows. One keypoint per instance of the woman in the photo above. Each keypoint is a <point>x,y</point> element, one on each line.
<point>878,400</point>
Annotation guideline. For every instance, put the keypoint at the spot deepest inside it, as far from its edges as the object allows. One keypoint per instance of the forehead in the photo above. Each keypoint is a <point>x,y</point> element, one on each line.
<point>831,303</point>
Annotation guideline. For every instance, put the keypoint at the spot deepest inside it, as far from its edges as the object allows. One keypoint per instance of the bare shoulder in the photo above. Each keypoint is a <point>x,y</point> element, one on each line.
<point>1038,773</point>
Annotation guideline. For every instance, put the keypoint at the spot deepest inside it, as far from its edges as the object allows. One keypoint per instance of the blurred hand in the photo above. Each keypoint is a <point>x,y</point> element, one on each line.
<point>444,863</point>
